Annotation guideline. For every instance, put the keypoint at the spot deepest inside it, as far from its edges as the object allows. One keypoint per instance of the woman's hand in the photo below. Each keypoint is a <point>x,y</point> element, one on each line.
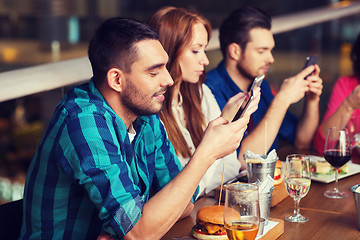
<point>255,102</point>
<point>353,99</point>
<point>233,104</point>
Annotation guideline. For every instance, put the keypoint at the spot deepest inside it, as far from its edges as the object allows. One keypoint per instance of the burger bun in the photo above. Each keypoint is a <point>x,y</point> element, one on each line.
<point>209,237</point>
<point>212,214</point>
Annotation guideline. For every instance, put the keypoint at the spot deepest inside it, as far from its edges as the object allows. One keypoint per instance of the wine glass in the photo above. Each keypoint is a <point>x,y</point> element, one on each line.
<point>242,213</point>
<point>297,182</point>
<point>337,153</point>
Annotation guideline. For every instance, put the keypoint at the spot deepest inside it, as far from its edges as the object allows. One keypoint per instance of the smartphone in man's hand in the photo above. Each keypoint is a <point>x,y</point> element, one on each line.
<point>310,60</point>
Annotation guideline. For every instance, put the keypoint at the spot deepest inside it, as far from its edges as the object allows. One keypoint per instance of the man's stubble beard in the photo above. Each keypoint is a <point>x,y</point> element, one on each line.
<point>244,73</point>
<point>135,101</point>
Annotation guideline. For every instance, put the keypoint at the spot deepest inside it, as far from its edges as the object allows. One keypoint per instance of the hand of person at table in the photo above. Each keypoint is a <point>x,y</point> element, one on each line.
<point>293,89</point>
<point>315,84</point>
<point>353,99</point>
<point>255,102</point>
<point>233,104</point>
<point>104,236</point>
<point>221,138</point>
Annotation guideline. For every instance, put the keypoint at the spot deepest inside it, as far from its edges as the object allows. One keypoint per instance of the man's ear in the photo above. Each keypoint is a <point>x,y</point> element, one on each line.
<point>115,79</point>
<point>234,51</point>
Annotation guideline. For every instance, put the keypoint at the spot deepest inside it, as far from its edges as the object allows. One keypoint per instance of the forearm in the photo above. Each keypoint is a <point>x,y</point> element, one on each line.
<point>161,212</point>
<point>171,203</point>
<point>187,211</point>
<point>339,118</point>
<point>307,124</point>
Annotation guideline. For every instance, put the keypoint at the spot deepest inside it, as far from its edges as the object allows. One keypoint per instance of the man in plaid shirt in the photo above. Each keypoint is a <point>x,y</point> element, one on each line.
<point>105,148</point>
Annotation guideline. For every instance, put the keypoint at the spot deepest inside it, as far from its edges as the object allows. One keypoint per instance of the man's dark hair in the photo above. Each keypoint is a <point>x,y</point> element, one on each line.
<point>355,57</point>
<point>113,45</point>
<point>236,27</point>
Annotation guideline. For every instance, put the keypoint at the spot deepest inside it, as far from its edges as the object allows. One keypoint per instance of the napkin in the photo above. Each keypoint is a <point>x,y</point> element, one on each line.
<point>267,185</point>
<point>251,157</point>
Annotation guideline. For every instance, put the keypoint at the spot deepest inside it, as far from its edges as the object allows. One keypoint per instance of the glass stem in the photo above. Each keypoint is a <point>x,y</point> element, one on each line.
<point>336,180</point>
<point>297,207</point>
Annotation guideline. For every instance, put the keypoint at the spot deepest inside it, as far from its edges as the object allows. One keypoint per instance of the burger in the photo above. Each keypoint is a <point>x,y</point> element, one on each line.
<point>277,173</point>
<point>210,223</point>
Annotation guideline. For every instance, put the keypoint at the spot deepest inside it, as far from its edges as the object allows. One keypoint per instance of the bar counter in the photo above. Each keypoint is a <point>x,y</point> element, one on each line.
<point>328,218</point>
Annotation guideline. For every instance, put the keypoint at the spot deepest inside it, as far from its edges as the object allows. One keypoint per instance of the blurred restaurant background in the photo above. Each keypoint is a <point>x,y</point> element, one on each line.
<point>43,52</point>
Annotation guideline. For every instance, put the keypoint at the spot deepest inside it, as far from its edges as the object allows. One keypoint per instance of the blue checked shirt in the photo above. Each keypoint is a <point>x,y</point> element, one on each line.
<point>86,177</point>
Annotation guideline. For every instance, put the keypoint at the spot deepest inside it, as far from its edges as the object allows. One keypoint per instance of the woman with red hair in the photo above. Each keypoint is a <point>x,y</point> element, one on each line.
<point>189,104</point>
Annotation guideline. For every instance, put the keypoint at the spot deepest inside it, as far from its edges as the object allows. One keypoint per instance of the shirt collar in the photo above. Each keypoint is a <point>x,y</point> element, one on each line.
<point>229,83</point>
<point>93,89</point>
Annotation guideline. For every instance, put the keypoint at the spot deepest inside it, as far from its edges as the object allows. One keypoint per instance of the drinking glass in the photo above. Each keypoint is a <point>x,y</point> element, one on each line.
<point>297,182</point>
<point>353,128</point>
<point>337,153</point>
<point>242,212</point>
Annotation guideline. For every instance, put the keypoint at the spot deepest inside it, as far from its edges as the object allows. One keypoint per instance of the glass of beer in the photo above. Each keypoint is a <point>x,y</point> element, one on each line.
<point>242,212</point>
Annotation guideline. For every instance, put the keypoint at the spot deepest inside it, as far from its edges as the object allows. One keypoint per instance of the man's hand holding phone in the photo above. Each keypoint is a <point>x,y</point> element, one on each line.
<point>315,85</point>
<point>306,82</point>
<point>314,81</point>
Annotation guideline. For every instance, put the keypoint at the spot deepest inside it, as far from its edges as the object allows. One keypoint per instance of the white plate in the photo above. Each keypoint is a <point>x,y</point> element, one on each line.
<point>353,169</point>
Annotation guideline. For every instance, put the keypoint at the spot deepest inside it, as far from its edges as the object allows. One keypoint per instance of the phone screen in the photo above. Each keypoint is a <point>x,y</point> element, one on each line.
<point>245,104</point>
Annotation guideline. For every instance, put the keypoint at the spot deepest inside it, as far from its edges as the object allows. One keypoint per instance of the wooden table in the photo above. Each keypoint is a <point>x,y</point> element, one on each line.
<point>328,218</point>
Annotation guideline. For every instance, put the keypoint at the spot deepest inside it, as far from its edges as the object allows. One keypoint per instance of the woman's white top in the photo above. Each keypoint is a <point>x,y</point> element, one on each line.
<point>212,177</point>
